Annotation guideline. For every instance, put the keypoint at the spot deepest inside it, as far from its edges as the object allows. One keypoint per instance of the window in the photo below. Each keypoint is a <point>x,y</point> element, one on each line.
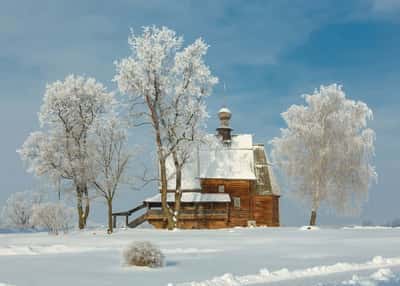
<point>221,188</point>
<point>236,202</point>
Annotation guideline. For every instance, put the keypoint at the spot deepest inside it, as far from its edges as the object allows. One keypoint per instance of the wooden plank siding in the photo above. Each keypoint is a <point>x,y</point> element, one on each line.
<point>266,210</point>
<point>263,209</point>
<point>235,188</point>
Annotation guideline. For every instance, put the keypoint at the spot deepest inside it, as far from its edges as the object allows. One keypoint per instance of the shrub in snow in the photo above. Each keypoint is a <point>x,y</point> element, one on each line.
<point>54,217</point>
<point>143,253</point>
<point>17,211</point>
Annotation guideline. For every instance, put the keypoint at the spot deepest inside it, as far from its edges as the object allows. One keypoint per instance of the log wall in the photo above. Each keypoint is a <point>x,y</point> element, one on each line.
<point>264,209</point>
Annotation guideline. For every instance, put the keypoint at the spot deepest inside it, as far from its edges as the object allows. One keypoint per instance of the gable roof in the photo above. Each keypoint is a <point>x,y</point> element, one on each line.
<point>240,160</point>
<point>235,161</point>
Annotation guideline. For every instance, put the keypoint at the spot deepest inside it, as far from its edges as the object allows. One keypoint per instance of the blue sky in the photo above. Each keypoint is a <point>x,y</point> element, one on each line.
<point>267,52</point>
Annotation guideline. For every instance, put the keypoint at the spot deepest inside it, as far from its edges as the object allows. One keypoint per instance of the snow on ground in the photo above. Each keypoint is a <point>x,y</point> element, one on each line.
<point>284,274</point>
<point>382,277</point>
<point>239,256</point>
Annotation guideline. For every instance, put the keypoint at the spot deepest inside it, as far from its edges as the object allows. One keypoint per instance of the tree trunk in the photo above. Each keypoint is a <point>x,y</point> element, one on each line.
<point>81,223</point>
<point>178,190</point>
<point>153,106</point>
<point>164,190</point>
<point>110,218</point>
<point>87,206</point>
<point>313,218</point>
<point>315,205</point>
<point>177,211</point>
<point>82,194</point>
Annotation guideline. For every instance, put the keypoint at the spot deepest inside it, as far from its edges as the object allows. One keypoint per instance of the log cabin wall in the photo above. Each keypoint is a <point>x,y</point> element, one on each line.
<point>194,216</point>
<point>239,190</point>
<point>264,209</point>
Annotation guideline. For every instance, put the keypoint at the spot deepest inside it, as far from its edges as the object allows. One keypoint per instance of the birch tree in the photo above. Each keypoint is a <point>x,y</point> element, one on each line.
<point>111,157</point>
<point>326,151</point>
<point>157,75</point>
<point>61,149</point>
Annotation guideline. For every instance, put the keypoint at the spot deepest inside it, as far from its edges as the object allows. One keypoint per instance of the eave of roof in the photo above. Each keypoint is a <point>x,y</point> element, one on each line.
<point>193,197</point>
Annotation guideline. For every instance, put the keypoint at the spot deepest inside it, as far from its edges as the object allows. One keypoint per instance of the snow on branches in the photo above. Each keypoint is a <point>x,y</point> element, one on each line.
<point>111,157</point>
<point>169,83</point>
<point>326,150</point>
<point>17,211</point>
<point>62,149</point>
<point>53,217</point>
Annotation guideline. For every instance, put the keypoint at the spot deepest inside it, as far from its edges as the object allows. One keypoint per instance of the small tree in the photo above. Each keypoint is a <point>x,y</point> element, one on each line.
<point>54,217</point>
<point>61,151</point>
<point>158,73</point>
<point>326,150</point>
<point>111,158</point>
<point>17,211</point>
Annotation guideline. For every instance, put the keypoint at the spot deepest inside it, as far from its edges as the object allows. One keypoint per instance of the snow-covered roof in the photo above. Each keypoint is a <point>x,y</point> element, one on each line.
<point>192,197</point>
<point>242,141</point>
<point>227,164</point>
<point>235,161</point>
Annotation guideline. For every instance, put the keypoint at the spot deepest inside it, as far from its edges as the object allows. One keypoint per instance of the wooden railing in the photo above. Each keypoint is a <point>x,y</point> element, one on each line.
<point>158,214</point>
<point>190,214</point>
<point>128,213</point>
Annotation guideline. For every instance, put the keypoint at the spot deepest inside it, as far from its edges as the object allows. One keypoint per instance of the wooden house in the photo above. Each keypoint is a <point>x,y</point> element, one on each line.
<point>227,185</point>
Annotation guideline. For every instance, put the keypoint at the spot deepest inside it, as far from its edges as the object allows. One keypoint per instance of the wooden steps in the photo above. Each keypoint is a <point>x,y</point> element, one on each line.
<point>126,214</point>
<point>137,221</point>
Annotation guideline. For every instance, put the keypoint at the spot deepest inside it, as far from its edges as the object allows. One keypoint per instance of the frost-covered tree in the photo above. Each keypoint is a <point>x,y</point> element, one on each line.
<point>111,157</point>
<point>54,217</point>
<point>326,150</point>
<point>17,211</point>
<point>185,134</point>
<point>61,150</point>
<point>162,76</point>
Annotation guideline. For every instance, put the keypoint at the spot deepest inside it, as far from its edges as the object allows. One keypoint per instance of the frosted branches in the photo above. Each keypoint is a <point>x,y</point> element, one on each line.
<point>326,150</point>
<point>63,149</point>
<point>171,84</point>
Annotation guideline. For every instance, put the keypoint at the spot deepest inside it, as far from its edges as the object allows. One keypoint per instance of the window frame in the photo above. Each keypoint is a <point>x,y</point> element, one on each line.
<point>236,202</point>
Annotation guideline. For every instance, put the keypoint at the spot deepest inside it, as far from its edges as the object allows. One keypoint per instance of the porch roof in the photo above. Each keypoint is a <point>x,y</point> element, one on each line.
<point>192,197</point>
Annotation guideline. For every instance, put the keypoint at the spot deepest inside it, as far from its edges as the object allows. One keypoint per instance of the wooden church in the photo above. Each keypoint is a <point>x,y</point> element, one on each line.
<point>232,185</point>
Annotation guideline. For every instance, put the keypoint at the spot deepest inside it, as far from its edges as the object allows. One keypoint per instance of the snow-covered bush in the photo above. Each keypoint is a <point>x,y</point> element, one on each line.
<point>17,211</point>
<point>54,217</point>
<point>143,253</point>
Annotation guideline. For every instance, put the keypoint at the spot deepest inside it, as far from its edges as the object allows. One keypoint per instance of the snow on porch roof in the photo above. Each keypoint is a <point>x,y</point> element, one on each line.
<point>192,197</point>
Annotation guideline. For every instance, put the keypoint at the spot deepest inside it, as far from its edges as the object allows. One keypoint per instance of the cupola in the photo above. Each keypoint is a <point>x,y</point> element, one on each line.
<point>224,130</point>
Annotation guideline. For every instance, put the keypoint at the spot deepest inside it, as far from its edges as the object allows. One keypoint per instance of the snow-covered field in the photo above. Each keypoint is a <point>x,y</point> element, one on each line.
<point>257,256</point>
